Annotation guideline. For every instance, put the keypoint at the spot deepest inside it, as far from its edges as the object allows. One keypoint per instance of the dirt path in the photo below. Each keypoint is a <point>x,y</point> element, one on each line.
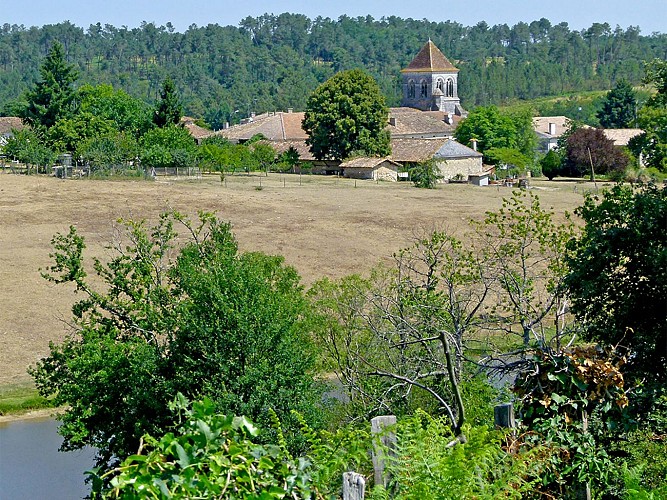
<point>323,227</point>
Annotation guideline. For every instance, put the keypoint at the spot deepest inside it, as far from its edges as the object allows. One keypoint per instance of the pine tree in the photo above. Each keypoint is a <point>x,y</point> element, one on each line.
<point>168,110</point>
<point>52,98</point>
<point>618,107</point>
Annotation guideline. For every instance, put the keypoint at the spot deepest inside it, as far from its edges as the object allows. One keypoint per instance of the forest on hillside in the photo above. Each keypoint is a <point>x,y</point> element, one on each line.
<point>273,62</point>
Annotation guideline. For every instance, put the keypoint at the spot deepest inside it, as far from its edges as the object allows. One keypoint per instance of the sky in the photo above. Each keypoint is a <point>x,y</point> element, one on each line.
<point>649,15</point>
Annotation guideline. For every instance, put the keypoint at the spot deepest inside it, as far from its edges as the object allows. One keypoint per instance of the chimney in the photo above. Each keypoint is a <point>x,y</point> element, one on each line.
<point>552,129</point>
<point>290,110</point>
<point>226,125</point>
<point>392,121</point>
<point>474,144</point>
<point>449,119</point>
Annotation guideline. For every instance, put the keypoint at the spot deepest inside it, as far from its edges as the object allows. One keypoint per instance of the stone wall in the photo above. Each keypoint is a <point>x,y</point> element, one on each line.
<point>463,166</point>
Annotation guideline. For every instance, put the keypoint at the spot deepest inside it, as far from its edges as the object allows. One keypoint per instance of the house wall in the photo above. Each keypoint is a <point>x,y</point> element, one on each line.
<point>380,173</point>
<point>464,166</point>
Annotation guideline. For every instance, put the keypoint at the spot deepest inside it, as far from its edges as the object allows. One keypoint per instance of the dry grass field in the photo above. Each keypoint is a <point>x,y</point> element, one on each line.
<point>323,226</point>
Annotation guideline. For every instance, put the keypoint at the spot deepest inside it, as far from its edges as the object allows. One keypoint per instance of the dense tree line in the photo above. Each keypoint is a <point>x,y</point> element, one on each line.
<point>274,62</point>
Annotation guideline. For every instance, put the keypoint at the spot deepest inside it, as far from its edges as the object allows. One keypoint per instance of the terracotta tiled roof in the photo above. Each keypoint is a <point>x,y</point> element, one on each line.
<point>621,136</point>
<point>7,123</point>
<point>365,162</point>
<point>301,147</point>
<point>274,126</point>
<point>541,125</point>
<point>429,59</point>
<point>415,150</point>
<point>195,130</point>
<point>409,122</point>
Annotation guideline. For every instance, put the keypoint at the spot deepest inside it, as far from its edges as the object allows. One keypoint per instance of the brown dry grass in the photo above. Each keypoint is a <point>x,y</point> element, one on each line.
<point>323,227</point>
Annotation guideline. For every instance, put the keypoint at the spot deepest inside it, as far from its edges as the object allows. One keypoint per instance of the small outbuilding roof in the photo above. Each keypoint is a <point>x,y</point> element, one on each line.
<point>366,162</point>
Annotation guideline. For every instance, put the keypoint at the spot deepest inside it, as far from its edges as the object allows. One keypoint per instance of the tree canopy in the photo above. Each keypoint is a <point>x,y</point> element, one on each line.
<point>203,320</point>
<point>617,281</point>
<point>618,107</point>
<point>168,110</point>
<point>52,97</point>
<point>587,145</point>
<point>347,115</point>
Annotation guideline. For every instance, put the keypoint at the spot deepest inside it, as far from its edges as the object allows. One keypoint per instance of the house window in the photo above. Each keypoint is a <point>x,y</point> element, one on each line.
<point>450,88</point>
<point>411,89</point>
<point>424,90</point>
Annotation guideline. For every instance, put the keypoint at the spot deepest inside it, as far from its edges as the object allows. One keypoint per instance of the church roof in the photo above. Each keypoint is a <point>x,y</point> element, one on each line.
<point>430,60</point>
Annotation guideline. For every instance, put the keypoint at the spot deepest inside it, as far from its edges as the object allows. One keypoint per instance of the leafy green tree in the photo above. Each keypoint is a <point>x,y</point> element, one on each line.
<point>167,147</point>
<point>28,148</point>
<point>550,164</point>
<point>108,152</point>
<point>589,145</point>
<point>345,115</point>
<point>204,320</point>
<point>426,174</point>
<point>168,110</point>
<point>68,133</point>
<point>616,274</point>
<point>618,107</point>
<point>128,114</point>
<point>209,456</point>
<point>52,98</point>
<point>493,129</point>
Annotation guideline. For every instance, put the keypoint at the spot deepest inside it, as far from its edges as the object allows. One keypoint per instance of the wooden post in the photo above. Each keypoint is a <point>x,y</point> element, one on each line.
<point>383,447</point>
<point>354,486</point>
<point>503,415</point>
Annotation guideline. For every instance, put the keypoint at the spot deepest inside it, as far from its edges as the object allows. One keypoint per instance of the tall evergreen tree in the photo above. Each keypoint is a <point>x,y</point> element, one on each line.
<point>169,109</point>
<point>619,106</point>
<point>52,98</point>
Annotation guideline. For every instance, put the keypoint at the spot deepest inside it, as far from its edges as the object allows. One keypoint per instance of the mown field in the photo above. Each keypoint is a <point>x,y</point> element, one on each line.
<point>323,226</point>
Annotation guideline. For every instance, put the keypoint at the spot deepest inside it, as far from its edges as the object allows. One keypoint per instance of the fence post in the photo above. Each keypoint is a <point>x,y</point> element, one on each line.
<point>383,447</point>
<point>503,415</point>
<point>354,486</point>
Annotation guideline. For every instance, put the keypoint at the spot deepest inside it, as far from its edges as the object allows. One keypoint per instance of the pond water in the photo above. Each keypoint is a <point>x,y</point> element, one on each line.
<point>31,467</point>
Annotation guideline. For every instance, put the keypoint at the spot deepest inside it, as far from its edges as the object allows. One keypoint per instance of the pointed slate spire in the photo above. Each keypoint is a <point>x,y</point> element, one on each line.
<point>430,59</point>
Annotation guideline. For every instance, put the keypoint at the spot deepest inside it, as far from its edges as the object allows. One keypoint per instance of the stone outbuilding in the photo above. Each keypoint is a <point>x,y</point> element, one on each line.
<point>377,169</point>
<point>454,160</point>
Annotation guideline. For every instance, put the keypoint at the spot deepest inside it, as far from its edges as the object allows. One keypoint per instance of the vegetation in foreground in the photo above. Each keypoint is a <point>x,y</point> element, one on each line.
<point>419,340</point>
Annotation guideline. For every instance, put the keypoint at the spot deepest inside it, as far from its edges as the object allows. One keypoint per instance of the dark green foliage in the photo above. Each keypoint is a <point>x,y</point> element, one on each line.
<point>503,137</point>
<point>426,174</point>
<point>205,320</point>
<point>347,114</point>
<point>168,110</point>
<point>52,97</point>
<point>618,107</point>
<point>280,59</point>
<point>551,164</point>
<point>589,145</point>
<point>170,146</point>
<point>616,281</point>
